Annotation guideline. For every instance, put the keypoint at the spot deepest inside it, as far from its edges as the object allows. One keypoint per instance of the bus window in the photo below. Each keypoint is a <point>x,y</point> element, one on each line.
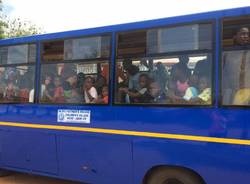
<point>76,49</point>
<point>191,37</point>
<point>171,79</point>
<point>78,80</point>
<point>236,62</point>
<point>16,77</point>
<point>132,44</point>
<point>18,54</point>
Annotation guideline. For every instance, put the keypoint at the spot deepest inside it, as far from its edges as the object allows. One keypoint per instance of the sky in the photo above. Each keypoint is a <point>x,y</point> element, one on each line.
<point>62,15</point>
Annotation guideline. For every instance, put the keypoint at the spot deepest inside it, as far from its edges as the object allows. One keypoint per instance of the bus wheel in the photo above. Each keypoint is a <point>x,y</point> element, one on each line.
<point>173,176</point>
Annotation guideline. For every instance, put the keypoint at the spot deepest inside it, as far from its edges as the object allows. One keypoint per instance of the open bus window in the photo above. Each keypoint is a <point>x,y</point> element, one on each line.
<point>159,66</point>
<point>236,32</point>
<point>236,62</point>
<point>172,80</point>
<point>75,83</point>
<point>17,73</point>
<point>77,49</point>
<point>81,73</point>
<point>17,84</point>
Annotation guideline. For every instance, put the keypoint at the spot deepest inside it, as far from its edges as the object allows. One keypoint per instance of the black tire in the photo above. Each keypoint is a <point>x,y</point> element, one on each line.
<point>173,176</point>
<point>4,173</point>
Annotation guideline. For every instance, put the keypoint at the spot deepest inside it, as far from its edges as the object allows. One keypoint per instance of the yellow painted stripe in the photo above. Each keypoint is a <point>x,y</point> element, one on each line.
<point>132,133</point>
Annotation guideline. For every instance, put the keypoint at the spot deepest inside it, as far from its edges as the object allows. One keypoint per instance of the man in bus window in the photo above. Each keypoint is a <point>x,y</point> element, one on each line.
<point>236,75</point>
<point>242,36</point>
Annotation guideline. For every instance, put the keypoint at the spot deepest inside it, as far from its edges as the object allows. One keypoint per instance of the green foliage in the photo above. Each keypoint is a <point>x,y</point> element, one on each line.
<point>16,27</point>
<point>2,23</point>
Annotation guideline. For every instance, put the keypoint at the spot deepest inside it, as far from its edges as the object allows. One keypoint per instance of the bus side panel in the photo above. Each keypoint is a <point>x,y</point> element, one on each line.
<point>95,159</point>
<point>30,151</point>
<point>229,163</point>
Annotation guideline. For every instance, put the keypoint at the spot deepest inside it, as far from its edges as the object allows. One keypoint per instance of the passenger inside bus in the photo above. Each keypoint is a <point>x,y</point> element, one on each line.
<point>236,67</point>
<point>181,84</point>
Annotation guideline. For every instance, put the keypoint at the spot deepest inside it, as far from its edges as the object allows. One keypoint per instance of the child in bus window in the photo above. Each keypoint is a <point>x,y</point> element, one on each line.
<point>90,93</point>
<point>58,91</point>
<point>47,90</point>
<point>104,98</point>
<point>140,95</point>
<point>204,96</point>
<point>11,92</point>
<point>156,95</point>
<point>192,90</point>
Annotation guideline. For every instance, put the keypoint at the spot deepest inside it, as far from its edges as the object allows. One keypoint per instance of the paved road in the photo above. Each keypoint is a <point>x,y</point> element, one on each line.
<point>17,178</point>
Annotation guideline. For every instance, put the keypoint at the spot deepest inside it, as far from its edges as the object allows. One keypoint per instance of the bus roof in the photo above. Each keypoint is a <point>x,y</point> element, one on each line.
<point>129,26</point>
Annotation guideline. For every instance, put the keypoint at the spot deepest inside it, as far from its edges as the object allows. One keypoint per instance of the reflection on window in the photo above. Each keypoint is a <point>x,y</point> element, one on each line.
<point>190,37</point>
<point>76,49</point>
<point>236,77</point>
<point>183,79</point>
<point>17,84</point>
<point>75,83</point>
<point>132,44</point>
<point>18,54</point>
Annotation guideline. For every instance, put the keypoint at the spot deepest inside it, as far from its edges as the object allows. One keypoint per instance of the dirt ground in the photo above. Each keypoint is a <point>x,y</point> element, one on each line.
<point>17,178</point>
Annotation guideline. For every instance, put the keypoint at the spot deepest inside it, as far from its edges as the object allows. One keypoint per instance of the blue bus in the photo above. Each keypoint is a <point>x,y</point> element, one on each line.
<point>155,102</point>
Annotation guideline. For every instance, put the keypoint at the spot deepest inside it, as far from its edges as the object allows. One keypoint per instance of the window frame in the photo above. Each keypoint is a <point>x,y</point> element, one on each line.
<point>211,51</point>
<point>34,64</point>
<point>87,61</point>
<point>221,51</point>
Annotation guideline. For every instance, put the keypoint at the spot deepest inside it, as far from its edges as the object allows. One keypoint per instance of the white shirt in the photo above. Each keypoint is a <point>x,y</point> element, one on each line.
<point>92,91</point>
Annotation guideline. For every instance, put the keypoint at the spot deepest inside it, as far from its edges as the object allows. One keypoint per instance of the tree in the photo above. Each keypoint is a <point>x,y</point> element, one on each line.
<point>15,27</point>
<point>2,23</point>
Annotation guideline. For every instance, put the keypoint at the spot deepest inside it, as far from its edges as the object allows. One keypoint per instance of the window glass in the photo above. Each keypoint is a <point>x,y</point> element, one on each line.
<point>132,44</point>
<point>86,48</point>
<point>236,77</point>
<point>75,83</point>
<point>236,62</point>
<point>181,79</point>
<point>77,49</point>
<point>17,84</point>
<point>190,37</point>
<point>18,54</point>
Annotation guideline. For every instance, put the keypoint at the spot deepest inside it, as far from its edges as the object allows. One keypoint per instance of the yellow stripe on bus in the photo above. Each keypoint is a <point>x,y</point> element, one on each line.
<point>131,133</point>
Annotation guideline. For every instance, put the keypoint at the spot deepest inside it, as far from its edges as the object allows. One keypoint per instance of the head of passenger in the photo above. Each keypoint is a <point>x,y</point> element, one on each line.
<point>57,82</point>
<point>184,59</point>
<point>193,81</point>
<point>105,91</point>
<point>203,83</point>
<point>143,81</point>
<point>72,80</point>
<point>242,36</point>
<point>154,89</point>
<point>88,83</point>
<point>47,80</point>
<point>132,70</point>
